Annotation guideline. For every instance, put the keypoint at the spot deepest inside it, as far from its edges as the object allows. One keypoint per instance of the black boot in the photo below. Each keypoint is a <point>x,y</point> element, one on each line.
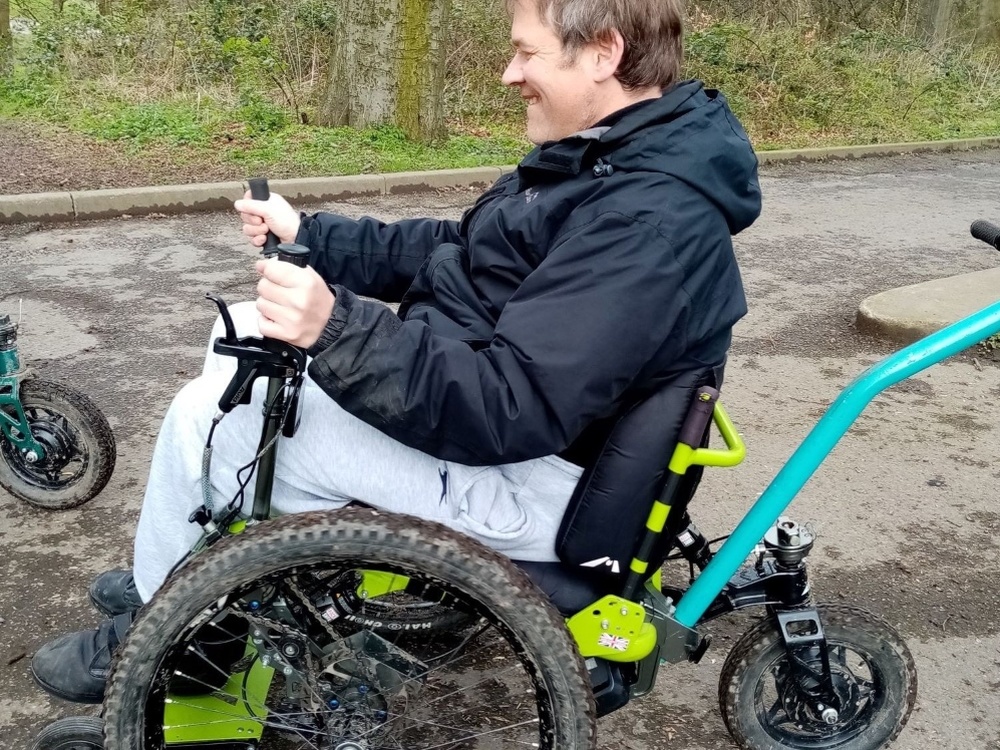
<point>114,593</point>
<point>75,667</point>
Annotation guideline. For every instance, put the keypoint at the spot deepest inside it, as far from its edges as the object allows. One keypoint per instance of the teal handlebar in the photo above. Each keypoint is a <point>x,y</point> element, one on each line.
<point>817,446</point>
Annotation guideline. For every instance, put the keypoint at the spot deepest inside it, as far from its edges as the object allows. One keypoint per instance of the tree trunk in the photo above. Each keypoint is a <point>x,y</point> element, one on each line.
<point>937,21</point>
<point>6,41</point>
<point>989,21</point>
<point>942,23</point>
<point>387,66</point>
<point>104,7</point>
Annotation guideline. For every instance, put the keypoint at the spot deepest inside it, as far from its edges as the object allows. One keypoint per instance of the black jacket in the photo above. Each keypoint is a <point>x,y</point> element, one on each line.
<point>602,264</point>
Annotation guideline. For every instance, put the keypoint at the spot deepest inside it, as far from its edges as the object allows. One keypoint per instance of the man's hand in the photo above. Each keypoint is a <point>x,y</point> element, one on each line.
<point>295,304</point>
<point>274,214</point>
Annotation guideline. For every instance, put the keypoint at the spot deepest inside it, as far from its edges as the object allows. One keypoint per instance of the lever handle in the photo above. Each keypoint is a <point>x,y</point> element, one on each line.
<point>988,233</point>
<point>260,191</point>
<point>227,319</point>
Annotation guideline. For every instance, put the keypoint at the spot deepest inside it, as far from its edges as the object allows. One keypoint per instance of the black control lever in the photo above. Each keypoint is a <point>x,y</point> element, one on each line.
<point>988,233</point>
<point>259,191</point>
<point>227,319</point>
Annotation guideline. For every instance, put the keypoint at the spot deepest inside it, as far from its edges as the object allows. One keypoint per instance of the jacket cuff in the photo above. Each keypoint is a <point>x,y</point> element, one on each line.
<point>338,319</point>
<point>305,222</point>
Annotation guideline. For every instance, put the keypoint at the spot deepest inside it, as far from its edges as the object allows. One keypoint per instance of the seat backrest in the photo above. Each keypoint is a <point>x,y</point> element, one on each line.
<point>609,508</point>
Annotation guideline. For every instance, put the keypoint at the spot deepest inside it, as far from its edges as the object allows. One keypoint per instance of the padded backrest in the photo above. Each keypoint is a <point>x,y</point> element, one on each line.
<point>609,508</point>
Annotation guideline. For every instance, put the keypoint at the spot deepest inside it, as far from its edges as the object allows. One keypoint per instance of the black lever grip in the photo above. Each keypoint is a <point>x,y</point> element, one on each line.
<point>988,233</point>
<point>297,255</point>
<point>698,416</point>
<point>259,191</point>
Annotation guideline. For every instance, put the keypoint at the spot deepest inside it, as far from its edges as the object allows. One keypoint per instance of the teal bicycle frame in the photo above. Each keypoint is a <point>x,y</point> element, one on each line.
<point>817,446</point>
<point>14,428</point>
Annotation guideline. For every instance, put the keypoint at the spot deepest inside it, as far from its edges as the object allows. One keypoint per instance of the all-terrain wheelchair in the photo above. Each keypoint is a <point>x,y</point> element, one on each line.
<point>358,630</point>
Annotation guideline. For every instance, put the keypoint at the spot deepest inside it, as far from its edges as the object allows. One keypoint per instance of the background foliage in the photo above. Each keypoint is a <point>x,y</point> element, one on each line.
<point>238,80</point>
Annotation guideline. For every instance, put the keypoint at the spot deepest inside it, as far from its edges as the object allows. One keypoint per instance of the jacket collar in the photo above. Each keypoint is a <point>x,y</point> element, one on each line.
<point>556,158</point>
<point>568,156</point>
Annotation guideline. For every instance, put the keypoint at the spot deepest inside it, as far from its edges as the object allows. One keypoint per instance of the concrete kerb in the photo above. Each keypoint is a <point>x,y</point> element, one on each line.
<point>909,313</point>
<point>175,199</point>
<point>98,204</point>
<point>878,149</point>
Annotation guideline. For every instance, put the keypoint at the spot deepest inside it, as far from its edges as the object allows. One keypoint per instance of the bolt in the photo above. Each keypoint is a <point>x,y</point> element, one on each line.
<point>364,594</point>
<point>362,689</point>
<point>31,457</point>
<point>624,611</point>
<point>829,715</point>
<point>291,649</point>
<point>605,624</point>
<point>287,671</point>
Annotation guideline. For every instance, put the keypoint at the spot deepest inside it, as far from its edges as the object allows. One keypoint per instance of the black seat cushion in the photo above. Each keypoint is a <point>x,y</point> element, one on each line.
<point>609,508</point>
<point>569,589</point>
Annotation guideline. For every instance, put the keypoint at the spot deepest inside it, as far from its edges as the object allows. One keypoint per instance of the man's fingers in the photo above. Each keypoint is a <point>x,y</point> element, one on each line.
<point>253,230</point>
<point>283,274</point>
<point>268,291</point>
<point>271,312</point>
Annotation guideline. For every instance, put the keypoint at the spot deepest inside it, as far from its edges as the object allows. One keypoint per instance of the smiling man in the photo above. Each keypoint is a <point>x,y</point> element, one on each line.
<point>599,269</point>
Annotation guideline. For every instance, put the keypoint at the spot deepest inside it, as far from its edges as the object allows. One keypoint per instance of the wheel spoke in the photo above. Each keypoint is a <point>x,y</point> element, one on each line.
<point>384,731</point>
<point>775,709</point>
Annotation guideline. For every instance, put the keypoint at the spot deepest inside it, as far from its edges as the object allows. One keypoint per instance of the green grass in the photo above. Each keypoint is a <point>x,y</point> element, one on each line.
<point>792,89</point>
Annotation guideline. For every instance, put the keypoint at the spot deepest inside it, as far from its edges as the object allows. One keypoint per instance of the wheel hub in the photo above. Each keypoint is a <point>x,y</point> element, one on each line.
<point>801,703</point>
<point>56,442</point>
<point>54,434</point>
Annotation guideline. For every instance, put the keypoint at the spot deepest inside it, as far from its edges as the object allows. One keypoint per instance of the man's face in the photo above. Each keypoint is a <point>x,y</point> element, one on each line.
<point>560,91</point>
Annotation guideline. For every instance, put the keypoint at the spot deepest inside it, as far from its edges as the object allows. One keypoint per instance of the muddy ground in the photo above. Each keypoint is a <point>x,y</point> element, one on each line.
<point>906,506</point>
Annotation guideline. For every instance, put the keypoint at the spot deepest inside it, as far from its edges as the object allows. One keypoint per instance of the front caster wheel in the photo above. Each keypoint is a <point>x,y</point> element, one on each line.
<point>71,733</point>
<point>79,448</point>
<point>766,703</point>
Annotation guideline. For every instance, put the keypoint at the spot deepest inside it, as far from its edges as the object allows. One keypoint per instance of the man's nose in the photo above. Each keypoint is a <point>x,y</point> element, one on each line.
<point>512,75</point>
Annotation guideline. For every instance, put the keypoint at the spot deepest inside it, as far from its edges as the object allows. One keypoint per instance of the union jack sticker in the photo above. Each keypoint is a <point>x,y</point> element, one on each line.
<point>613,641</point>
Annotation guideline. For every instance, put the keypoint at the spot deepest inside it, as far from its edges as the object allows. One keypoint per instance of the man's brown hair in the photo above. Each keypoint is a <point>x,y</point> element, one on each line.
<point>652,30</point>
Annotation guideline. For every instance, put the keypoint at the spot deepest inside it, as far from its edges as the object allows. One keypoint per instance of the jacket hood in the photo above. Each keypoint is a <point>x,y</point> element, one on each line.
<point>689,133</point>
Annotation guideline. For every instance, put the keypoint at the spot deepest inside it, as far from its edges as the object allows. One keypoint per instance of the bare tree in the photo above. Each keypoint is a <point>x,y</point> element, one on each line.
<point>941,23</point>
<point>989,21</point>
<point>6,41</point>
<point>387,66</point>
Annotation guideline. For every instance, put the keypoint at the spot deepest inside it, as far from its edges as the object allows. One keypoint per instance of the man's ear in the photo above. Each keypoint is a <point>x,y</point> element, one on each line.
<point>608,52</point>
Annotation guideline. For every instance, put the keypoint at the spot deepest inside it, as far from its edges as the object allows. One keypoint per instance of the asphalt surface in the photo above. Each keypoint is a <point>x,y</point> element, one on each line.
<point>906,506</point>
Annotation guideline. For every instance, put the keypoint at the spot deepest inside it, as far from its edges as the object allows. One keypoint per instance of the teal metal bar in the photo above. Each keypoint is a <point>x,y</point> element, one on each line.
<point>818,444</point>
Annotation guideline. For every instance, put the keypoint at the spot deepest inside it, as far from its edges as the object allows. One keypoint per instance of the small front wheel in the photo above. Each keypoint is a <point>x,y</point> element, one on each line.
<point>766,702</point>
<point>71,733</point>
<point>79,448</point>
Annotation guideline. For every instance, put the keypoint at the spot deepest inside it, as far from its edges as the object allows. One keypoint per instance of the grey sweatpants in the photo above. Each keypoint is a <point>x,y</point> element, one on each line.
<point>334,458</point>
